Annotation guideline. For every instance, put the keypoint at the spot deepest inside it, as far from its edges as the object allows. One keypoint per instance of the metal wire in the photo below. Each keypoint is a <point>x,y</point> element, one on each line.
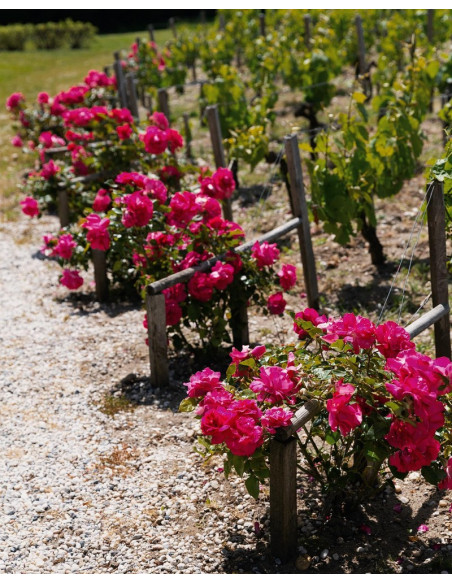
<point>419,214</point>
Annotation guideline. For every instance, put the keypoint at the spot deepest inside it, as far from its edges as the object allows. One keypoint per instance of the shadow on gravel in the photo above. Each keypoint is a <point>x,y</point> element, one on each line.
<point>370,538</point>
<point>249,196</point>
<point>372,296</point>
<point>84,304</point>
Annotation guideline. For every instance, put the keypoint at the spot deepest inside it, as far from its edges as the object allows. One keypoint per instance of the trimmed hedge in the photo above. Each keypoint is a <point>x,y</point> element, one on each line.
<point>47,36</point>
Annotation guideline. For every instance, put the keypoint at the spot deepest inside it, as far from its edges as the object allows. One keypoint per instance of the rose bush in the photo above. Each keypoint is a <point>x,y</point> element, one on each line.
<point>383,405</point>
<point>149,233</point>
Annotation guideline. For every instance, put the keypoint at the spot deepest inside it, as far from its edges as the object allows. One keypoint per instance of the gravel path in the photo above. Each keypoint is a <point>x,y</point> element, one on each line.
<point>83,491</point>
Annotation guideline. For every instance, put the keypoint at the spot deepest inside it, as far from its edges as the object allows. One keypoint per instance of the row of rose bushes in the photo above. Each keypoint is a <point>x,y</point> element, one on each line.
<point>383,401</point>
<point>154,216</point>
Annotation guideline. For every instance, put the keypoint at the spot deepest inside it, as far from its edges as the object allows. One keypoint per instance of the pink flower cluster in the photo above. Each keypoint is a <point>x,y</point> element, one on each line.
<point>160,137</point>
<point>239,423</point>
<point>419,382</point>
<point>343,415</point>
<point>220,185</point>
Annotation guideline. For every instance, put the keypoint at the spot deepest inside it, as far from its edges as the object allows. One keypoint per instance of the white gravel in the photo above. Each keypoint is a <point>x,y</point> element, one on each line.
<point>83,491</point>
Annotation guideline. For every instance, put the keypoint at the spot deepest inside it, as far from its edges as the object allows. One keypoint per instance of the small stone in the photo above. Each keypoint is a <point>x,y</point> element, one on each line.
<point>335,557</point>
<point>403,500</point>
<point>324,554</point>
<point>340,540</point>
<point>444,503</point>
<point>360,549</point>
<point>398,489</point>
<point>303,562</point>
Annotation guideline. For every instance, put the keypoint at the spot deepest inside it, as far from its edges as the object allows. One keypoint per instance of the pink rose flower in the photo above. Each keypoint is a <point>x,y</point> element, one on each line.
<point>174,139</point>
<point>276,303</point>
<point>447,482</point>
<point>173,312</point>
<point>274,385</point>
<point>224,183</point>
<point>65,246</point>
<point>354,330</point>
<point>30,207</point>
<point>139,211</point>
<point>124,132</point>
<point>221,275</point>
<point>101,201</point>
<point>97,235</point>
<point>203,382</point>
<point>392,339</point>
<point>201,287</point>
<point>265,254</point>
<point>309,315</point>
<point>17,142</point>
<point>43,98</point>
<point>342,414</point>
<point>14,100</point>
<point>71,279</point>
<point>155,140</point>
<point>49,170</point>
<point>276,418</point>
<point>287,276</point>
<point>159,119</point>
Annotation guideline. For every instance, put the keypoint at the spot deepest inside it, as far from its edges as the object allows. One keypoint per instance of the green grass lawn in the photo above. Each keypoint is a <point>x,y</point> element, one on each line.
<point>32,71</point>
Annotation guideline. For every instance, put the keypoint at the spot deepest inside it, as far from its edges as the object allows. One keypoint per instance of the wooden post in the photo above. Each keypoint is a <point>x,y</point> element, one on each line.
<point>151,33</point>
<point>132,96</point>
<point>362,67</point>
<point>430,26</point>
<point>262,23</point>
<point>193,70</point>
<point>100,274</point>
<point>283,499</point>
<point>213,120</point>
<point>300,210</point>
<point>172,25</point>
<point>107,71</point>
<point>138,42</point>
<point>162,97</point>
<point>188,137</point>
<point>120,80</point>
<point>63,208</point>
<point>361,45</point>
<point>307,31</point>
<point>438,265</point>
<point>239,316</point>
<point>158,340</point>
<point>221,22</point>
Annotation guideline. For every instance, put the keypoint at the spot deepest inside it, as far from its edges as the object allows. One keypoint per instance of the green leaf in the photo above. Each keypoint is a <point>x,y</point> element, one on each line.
<point>252,486</point>
<point>239,464</point>
<point>359,97</point>
<point>434,473</point>
<point>187,405</point>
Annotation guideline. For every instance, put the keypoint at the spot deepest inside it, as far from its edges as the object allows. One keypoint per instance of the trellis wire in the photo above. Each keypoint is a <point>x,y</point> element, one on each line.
<point>427,195</point>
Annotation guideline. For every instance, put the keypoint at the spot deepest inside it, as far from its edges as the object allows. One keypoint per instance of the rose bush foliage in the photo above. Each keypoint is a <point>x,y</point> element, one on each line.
<point>383,405</point>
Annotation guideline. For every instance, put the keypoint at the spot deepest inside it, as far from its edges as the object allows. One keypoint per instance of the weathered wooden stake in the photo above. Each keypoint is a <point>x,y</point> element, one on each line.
<point>307,31</point>
<point>262,23</point>
<point>120,80</point>
<point>438,265</point>
<point>221,22</point>
<point>301,210</point>
<point>188,137</point>
<point>283,499</point>
<point>172,25</point>
<point>151,33</point>
<point>158,341</point>
<point>162,97</point>
<point>213,120</point>
<point>107,70</point>
<point>362,67</point>
<point>63,208</point>
<point>239,316</point>
<point>132,96</point>
<point>430,25</point>
<point>100,274</point>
